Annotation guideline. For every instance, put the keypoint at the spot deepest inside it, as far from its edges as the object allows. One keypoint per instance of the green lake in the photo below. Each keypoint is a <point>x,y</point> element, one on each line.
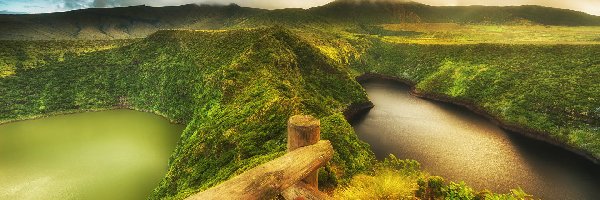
<point>117,154</point>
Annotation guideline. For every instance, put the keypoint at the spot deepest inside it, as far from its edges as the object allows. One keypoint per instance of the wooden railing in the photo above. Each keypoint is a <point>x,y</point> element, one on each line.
<point>293,175</point>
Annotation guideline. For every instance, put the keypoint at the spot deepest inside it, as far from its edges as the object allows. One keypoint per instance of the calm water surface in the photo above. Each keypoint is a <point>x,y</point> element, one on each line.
<point>119,154</point>
<point>455,143</point>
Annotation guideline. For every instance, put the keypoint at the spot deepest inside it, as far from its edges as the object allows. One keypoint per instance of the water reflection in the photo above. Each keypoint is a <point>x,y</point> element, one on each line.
<point>455,143</point>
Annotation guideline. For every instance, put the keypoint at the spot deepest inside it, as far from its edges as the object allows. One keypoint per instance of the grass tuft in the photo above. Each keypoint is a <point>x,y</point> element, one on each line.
<point>385,184</point>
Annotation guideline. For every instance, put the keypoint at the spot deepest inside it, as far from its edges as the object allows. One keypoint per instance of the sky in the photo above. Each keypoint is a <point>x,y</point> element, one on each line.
<point>45,6</point>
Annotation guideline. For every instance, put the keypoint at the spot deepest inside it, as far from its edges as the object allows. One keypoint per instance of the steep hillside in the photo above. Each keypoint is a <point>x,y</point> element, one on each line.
<point>548,91</point>
<point>233,89</point>
<point>32,54</point>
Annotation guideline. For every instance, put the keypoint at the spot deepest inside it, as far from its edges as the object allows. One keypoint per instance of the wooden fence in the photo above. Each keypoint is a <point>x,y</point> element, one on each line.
<point>293,175</point>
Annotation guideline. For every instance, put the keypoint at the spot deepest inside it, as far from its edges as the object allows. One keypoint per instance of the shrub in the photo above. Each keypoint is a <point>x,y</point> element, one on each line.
<point>385,184</point>
<point>430,187</point>
<point>458,191</point>
<point>409,167</point>
<point>515,194</point>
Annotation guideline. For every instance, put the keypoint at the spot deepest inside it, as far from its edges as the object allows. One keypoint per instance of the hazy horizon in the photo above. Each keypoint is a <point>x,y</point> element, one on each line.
<point>48,6</point>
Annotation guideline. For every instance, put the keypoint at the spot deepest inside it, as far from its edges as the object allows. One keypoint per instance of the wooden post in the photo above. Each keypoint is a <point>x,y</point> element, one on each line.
<point>304,130</point>
<point>294,175</point>
<point>268,180</point>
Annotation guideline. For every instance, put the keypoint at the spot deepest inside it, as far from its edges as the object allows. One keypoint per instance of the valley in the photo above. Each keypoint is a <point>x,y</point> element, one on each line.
<point>233,76</point>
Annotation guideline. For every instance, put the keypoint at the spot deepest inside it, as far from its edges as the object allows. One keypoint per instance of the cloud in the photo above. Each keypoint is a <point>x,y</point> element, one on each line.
<point>75,4</point>
<point>113,3</point>
<point>101,3</point>
<point>33,6</point>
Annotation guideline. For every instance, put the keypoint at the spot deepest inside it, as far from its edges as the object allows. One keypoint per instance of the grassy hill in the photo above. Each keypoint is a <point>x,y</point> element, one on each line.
<point>209,80</point>
<point>235,120</point>
<point>235,88</point>
<point>552,90</point>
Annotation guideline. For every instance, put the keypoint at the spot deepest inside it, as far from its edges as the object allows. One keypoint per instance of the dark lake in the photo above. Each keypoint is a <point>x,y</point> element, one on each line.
<point>457,144</point>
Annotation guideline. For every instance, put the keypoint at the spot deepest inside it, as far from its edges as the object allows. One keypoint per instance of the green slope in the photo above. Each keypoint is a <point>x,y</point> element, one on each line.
<point>233,89</point>
<point>549,90</point>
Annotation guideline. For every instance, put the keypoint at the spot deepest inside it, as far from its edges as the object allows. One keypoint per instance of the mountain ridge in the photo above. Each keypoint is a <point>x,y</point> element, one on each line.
<point>383,9</point>
<point>141,21</point>
<point>205,79</point>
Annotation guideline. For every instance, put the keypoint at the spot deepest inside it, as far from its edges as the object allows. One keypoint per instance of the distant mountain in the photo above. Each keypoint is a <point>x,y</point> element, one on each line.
<point>390,11</point>
<point>140,21</point>
<point>6,12</point>
<point>123,22</point>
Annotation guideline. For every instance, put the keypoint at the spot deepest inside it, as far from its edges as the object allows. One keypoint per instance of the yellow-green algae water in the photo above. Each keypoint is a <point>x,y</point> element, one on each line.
<point>117,154</point>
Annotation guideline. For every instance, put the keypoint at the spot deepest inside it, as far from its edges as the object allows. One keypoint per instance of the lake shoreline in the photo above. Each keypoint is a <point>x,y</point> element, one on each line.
<point>355,109</point>
<point>82,155</point>
<point>77,111</point>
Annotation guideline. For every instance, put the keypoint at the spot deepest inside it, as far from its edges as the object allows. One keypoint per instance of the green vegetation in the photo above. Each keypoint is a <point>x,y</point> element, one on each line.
<point>551,89</point>
<point>235,89</point>
<point>452,33</point>
<point>31,54</point>
<point>402,179</point>
<point>389,179</point>
<point>235,120</point>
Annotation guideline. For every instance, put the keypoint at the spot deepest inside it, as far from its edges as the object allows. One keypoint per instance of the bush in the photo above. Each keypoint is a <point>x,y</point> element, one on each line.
<point>409,167</point>
<point>430,187</point>
<point>385,184</point>
<point>458,191</point>
<point>515,194</point>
